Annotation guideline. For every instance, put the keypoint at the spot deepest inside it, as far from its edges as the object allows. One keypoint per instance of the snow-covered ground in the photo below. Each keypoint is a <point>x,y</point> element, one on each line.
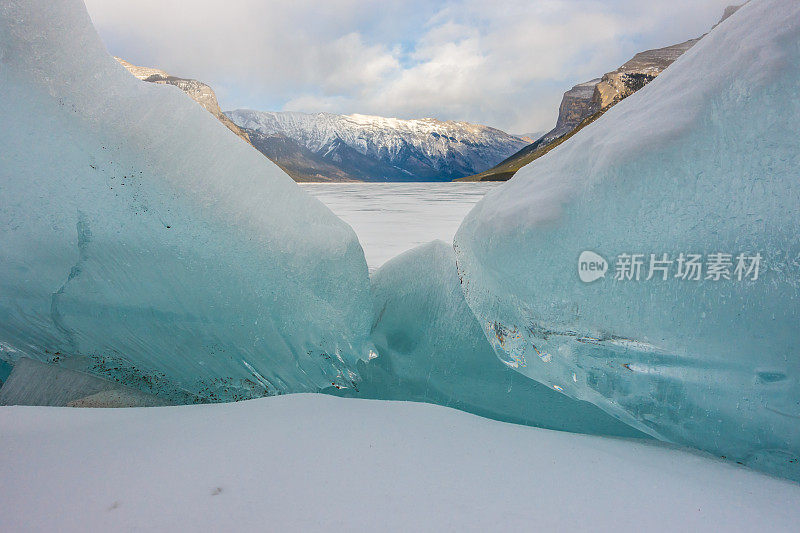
<point>390,218</point>
<point>312,462</point>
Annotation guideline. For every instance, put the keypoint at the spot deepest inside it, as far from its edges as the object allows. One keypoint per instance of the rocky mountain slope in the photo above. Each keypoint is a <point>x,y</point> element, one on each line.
<point>197,91</point>
<point>325,146</point>
<point>295,159</point>
<point>577,104</point>
<point>636,73</point>
<point>585,102</point>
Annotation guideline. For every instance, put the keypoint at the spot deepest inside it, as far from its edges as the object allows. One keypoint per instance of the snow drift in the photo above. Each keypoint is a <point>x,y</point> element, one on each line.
<point>384,466</point>
<point>704,160</point>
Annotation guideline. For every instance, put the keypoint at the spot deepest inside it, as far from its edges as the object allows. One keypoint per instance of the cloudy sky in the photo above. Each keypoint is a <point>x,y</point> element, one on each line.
<point>504,63</point>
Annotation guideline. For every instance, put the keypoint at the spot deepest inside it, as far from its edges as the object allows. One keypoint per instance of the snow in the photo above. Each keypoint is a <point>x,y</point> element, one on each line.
<point>141,240</point>
<point>388,139</point>
<point>390,218</point>
<point>704,159</point>
<point>310,462</point>
<point>318,129</point>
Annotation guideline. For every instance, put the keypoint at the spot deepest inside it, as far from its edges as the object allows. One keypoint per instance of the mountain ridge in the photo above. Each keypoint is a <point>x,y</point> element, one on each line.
<point>374,148</point>
<point>586,102</point>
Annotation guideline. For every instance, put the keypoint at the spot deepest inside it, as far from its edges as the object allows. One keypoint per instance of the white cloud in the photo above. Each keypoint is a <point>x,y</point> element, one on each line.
<point>503,64</point>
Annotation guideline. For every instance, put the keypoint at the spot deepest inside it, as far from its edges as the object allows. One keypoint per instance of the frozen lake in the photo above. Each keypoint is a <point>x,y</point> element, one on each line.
<point>391,218</point>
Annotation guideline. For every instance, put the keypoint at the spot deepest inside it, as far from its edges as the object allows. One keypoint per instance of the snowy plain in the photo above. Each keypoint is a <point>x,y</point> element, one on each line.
<point>307,462</point>
<point>390,218</point>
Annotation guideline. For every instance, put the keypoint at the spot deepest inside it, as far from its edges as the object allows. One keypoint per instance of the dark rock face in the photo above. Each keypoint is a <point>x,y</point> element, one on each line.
<point>577,104</point>
<point>636,73</point>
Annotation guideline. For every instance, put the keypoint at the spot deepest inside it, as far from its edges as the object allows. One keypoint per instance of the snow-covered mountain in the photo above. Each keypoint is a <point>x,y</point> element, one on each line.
<point>371,148</point>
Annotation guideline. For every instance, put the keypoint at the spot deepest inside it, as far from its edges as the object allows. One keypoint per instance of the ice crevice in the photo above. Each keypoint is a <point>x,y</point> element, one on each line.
<point>84,236</point>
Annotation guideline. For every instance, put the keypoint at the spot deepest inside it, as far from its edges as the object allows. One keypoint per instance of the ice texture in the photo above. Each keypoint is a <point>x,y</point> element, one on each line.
<point>704,159</point>
<point>142,241</point>
<point>432,349</point>
<point>36,383</point>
